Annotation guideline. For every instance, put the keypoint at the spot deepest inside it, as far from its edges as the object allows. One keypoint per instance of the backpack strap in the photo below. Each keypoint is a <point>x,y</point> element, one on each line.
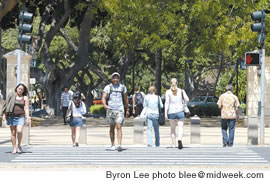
<point>111,90</point>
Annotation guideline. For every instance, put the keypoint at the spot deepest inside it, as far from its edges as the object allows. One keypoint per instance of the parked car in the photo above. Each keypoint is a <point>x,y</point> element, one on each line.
<point>204,106</point>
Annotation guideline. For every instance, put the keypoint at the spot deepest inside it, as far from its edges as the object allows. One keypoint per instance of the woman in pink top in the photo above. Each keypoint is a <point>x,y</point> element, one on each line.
<point>174,111</point>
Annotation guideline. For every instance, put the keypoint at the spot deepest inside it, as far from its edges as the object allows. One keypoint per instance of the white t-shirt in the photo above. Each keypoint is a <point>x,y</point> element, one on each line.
<point>151,103</point>
<point>77,112</point>
<point>115,101</point>
<point>174,103</point>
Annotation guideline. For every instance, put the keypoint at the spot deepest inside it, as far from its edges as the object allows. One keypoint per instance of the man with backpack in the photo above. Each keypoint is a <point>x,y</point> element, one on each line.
<point>137,102</point>
<point>114,98</point>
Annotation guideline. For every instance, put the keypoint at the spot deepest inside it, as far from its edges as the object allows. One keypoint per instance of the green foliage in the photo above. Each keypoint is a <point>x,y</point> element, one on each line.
<point>97,109</point>
<point>243,107</point>
<point>242,84</point>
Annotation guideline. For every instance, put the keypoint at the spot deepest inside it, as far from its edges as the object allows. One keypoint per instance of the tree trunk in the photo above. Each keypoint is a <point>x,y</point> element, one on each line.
<point>219,72</point>
<point>3,69</point>
<point>53,95</point>
<point>7,5</point>
<point>158,60</point>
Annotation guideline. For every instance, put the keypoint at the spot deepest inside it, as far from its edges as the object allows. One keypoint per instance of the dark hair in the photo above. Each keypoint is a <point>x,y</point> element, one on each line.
<point>25,90</point>
<point>77,99</point>
<point>77,95</point>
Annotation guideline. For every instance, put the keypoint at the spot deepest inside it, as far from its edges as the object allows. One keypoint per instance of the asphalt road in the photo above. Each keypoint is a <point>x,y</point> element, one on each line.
<point>137,156</point>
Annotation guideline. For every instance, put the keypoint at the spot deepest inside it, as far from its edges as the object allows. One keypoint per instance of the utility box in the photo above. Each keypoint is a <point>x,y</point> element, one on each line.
<point>138,130</point>
<point>195,130</point>
<point>12,67</point>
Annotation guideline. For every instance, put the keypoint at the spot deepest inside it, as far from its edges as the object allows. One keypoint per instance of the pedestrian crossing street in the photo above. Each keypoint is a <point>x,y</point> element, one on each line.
<point>139,156</point>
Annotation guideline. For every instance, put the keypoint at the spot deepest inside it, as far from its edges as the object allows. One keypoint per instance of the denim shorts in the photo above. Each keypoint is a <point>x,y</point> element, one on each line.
<point>15,121</point>
<point>76,122</point>
<point>115,116</point>
<point>178,116</point>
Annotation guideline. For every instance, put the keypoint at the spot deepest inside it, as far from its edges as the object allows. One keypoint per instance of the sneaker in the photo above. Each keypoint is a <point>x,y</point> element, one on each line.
<point>113,148</point>
<point>180,145</point>
<point>119,148</point>
<point>77,144</point>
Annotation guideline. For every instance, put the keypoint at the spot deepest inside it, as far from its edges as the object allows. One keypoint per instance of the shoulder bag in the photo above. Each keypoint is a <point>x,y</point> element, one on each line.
<point>69,115</point>
<point>186,110</point>
<point>161,118</point>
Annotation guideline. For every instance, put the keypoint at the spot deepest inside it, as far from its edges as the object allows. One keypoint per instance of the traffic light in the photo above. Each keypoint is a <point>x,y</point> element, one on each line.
<point>259,25</point>
<point>252,58</point>
<point>25,20</point>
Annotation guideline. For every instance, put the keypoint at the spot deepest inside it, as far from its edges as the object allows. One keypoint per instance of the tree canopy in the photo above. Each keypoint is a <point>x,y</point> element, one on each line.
<point>80,43</point>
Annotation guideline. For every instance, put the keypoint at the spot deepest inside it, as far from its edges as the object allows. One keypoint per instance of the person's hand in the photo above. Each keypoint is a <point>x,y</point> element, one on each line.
<point>4,117</point>
<point>106,107</point>
<point>127,113</point>
<point>133,111</point>
<point>28,121</point>
<point>237,117</point>
<point>166,117</point>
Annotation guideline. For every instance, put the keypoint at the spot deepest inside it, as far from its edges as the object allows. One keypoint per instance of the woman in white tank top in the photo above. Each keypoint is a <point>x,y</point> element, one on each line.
<point>174,111</point>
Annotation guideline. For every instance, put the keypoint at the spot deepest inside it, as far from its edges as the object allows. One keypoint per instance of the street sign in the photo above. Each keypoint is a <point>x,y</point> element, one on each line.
<point>32,80</point>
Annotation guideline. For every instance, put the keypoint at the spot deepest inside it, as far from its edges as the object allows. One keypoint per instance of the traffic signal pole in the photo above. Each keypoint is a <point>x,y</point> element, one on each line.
<point>259,26</point>
<point>18,71</point>
<point>24,18</point>
<point>262,95</point>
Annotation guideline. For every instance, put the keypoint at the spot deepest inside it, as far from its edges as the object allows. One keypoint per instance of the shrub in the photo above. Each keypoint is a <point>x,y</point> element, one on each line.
<point>97,109</point>
<point>243,107</point>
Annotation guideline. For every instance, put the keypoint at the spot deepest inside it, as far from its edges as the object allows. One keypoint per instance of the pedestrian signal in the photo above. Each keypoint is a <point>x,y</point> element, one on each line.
<point>252,58</point>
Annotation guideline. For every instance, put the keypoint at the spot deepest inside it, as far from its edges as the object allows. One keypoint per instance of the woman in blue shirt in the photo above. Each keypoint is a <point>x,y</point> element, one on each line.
<point>151,105</point>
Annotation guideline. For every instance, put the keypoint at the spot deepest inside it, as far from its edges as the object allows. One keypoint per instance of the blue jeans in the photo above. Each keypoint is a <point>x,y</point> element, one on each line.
<point>224,126</point>
<point>152,120</point>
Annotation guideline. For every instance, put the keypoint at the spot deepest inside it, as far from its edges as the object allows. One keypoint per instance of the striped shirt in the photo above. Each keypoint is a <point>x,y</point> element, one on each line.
<point>66,97</point>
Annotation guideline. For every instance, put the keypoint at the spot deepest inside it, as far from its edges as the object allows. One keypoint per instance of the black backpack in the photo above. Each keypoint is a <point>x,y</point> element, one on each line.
<point>139,98</point>
<point>112,90</point>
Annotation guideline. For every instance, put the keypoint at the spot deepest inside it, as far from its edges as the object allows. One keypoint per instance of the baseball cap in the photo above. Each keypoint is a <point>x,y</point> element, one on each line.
<point>116,73</point>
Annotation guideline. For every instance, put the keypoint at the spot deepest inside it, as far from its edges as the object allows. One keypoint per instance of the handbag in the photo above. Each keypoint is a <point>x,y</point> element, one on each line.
<point>186,109</point>
<point>161,118</point>
<point>69,115</point>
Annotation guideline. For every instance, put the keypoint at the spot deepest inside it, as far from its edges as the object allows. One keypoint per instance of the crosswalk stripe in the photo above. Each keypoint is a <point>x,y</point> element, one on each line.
<point>139,156</point>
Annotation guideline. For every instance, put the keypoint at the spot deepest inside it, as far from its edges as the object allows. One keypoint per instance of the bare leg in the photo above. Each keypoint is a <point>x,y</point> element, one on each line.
<point>73,134</point>
<point>19,136</point>
<point>180,129</point>
<point>112,127</point>
<point>119,133</point>
<point>173,134</point>
<point>13,130</point>
<point>78,132</point>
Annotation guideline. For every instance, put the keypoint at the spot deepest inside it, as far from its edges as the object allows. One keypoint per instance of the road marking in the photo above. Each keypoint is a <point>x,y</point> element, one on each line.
<point>139,156</point>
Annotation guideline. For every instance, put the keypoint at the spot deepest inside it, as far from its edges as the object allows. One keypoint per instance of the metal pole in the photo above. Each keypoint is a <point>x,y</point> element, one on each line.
<point>262,96</point>
<point>237,63</point>
<point>19,66</point>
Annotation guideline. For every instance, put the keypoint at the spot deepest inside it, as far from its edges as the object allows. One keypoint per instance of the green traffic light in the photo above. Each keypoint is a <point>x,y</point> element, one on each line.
<point>258,16</point>
<point>25,28</point>
<point>25,39</point>
<point>258,27</point>
<point>25,16</point>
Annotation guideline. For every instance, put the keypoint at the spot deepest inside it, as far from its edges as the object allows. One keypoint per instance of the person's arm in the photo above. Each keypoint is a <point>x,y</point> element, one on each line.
<point>167,102</point>
<point>185,96</point>
<point>26,110</point>
<point>61,102</point>
<point>104,102</point>
<point>219,103</point>
<point>133,103</point>
<point>237,104</point>
<point>83,109</point>
<point>126,103</point>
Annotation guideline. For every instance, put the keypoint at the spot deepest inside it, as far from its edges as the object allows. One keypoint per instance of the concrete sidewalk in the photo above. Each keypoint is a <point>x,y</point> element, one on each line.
<point>54,132</point>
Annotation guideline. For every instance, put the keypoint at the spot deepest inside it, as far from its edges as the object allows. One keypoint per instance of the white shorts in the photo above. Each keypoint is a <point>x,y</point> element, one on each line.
<point>115,116</point>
